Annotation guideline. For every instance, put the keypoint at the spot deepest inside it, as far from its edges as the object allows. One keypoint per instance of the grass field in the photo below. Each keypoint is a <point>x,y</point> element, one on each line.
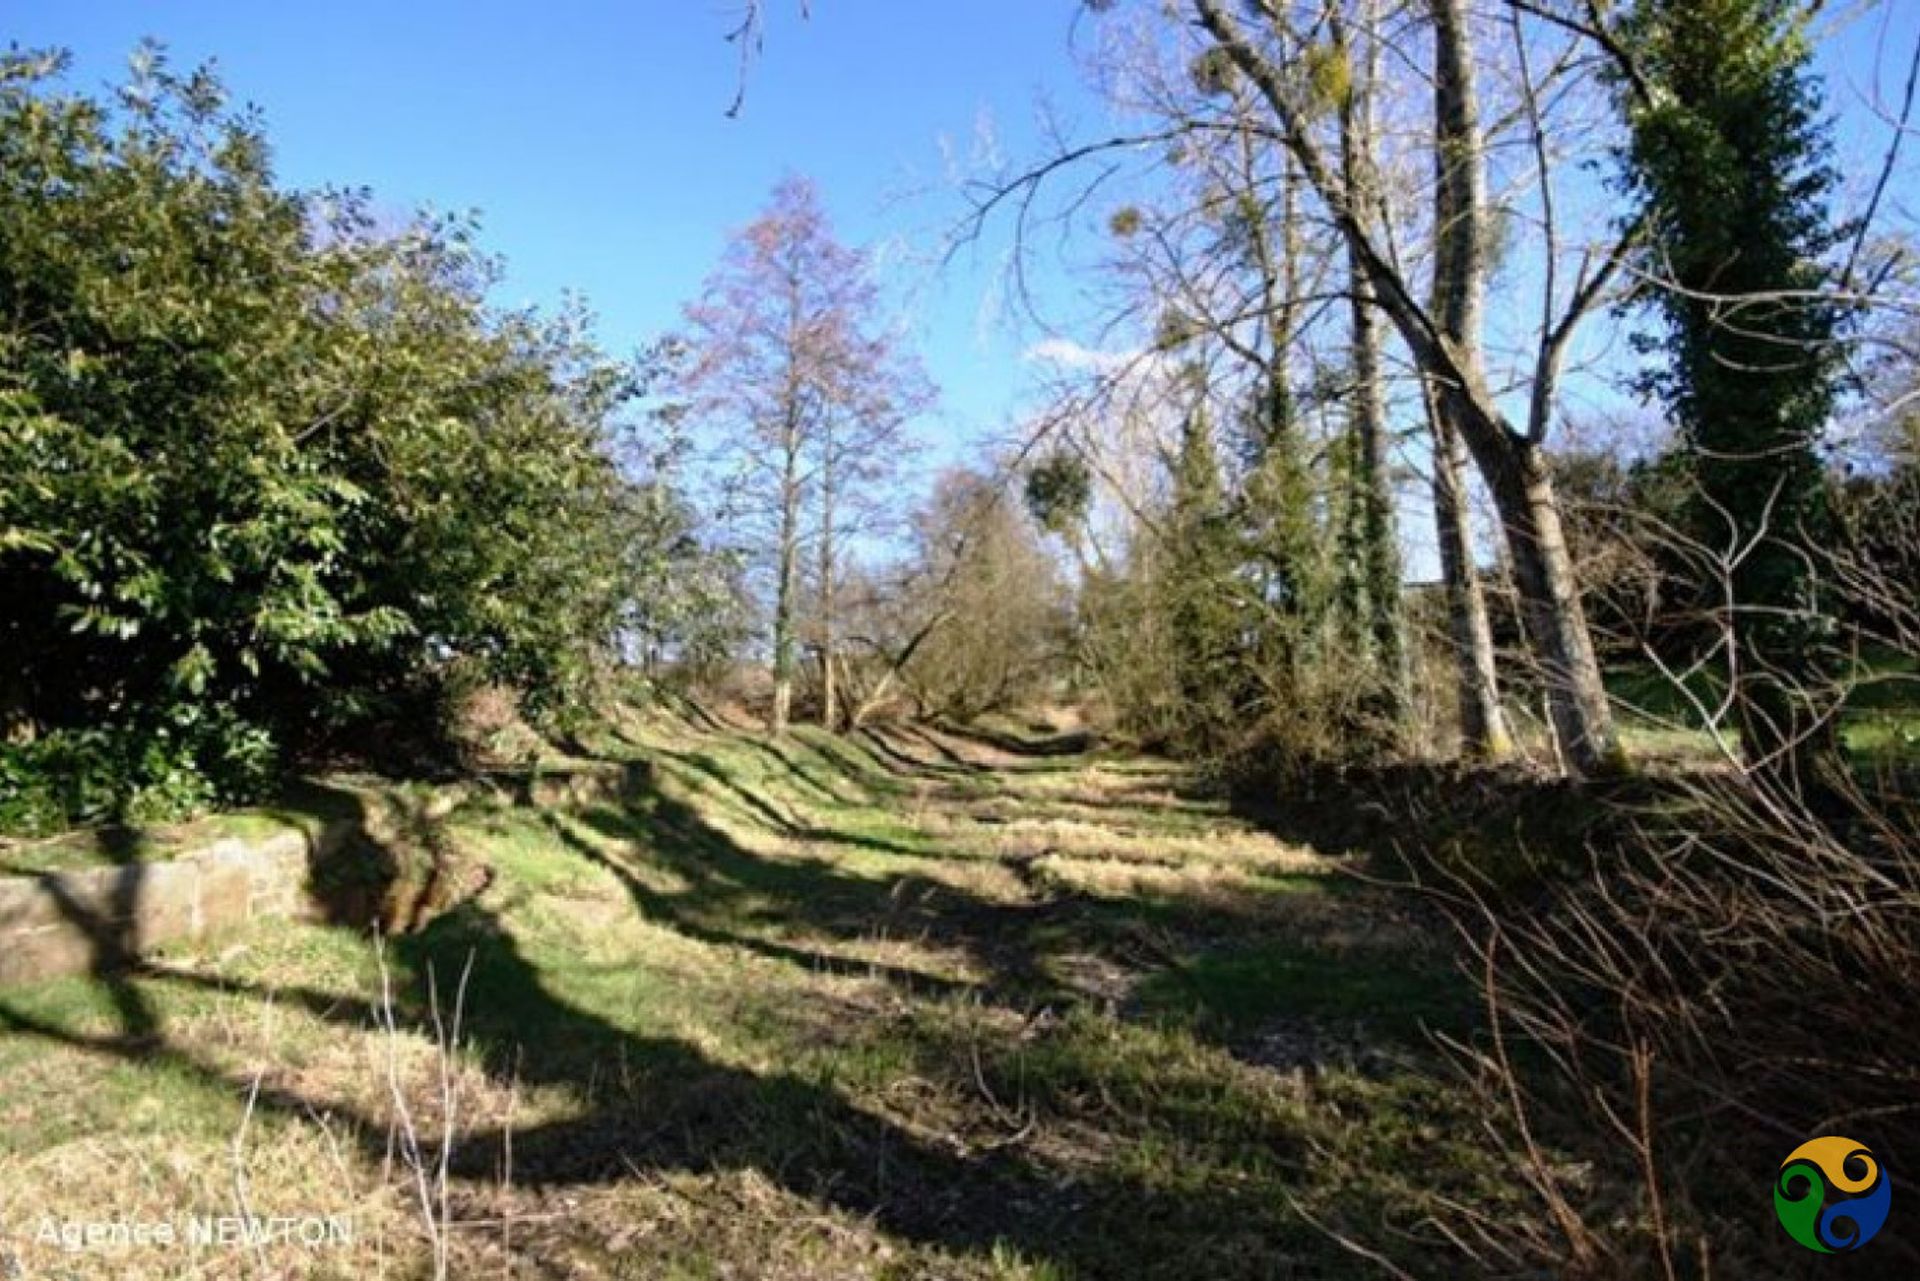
<point>901,1005</point>
<point>1879,720</point>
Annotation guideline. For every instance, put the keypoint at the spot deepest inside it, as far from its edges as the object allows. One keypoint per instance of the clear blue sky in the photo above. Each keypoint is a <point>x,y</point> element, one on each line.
<point>592,137</point>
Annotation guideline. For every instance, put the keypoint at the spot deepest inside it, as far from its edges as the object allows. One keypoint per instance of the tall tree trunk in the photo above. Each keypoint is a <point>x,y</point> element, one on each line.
<point>829,692</point>
<point>1279,485</point>
<point>789,554</point>
<point>1382,603</point>
<point>1372,561</point>
<point>1550,594</point>
<point>1459,285</point>
<point>1734,169</point>
<point>1515,471</point>
<point>1483,721</point>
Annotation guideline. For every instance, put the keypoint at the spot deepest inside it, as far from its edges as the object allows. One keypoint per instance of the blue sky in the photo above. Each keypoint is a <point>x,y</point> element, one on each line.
<point>592,137</point>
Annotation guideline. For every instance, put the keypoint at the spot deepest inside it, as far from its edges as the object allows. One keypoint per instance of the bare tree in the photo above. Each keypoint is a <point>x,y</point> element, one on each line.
<point>1279,47</point>
<point>788,363</point>
<point>877,389</point>
<point>1460,238</point>
<point>1440,335</point>
<point>997,596</point>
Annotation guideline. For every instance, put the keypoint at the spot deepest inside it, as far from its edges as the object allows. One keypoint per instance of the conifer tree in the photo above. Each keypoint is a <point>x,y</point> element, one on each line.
<point>1202,557</point>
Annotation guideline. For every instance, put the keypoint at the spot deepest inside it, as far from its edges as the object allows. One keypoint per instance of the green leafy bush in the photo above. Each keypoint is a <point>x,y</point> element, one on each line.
<point>162,767</point>
<point>262,451</point>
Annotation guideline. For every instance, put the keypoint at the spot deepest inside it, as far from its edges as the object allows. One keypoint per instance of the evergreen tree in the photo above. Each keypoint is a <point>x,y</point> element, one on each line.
<point>271,476</point>
<point>1202,558</point>
<point>1284,545</point>
<point>1729,155</point>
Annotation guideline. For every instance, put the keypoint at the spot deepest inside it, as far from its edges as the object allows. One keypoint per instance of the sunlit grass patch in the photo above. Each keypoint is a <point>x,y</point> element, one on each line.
<point>806,1010</point>
<point>1225,846</point>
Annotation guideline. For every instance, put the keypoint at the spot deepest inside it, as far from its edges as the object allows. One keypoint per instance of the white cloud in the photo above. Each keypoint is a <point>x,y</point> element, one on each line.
<point>1066,354</point>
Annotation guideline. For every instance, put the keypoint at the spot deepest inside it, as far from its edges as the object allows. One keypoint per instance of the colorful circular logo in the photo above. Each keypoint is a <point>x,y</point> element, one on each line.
<point>1831,1194</point>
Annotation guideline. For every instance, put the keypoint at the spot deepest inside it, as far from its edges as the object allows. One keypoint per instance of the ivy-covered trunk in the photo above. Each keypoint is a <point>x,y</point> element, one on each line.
<point>1731,162</point>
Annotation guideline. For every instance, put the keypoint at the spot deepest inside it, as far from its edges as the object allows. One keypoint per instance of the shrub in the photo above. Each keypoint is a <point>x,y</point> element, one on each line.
<point>262,455</point>
<point>166,766</point>
<point>1732,977</point>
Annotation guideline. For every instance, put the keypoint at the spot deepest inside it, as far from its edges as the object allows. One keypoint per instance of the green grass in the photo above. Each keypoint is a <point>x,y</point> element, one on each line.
<point>891,1005</point>
<point>1884,737</point>
<point>1243,989</point>
<point>1880,722</point>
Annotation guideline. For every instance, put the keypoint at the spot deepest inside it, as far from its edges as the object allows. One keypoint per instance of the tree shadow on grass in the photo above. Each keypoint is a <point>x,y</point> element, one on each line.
<point>674,1108</point>
<point>112,931</point>
<point>1043,746</point>
<point>1217,971</point>
<point>677,1109</point>
<point>728,883</point>
<point>713,777</point>
<point>727,887</point>
<point>1506,825</point>
<point>889,749</point>
<point>1096,1213</point>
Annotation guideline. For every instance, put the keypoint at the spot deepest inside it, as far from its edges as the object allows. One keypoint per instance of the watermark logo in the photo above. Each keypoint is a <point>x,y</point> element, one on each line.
<point>1832,1194</point>
<point>200,1232</point>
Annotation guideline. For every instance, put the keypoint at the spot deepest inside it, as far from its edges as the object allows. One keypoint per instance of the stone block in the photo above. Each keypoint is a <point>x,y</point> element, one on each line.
<point>226,895</point>
<point>45,953</point>
<point>166,903</point>
<point>70,922</point>
<point>25,905</point>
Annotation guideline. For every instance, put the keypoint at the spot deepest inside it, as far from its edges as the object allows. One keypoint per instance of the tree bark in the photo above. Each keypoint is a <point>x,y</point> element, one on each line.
<point>1444,344</point>
<point>1483,721</point>
<point>1550,594</point>
<point>829,693</point>
<point>1513,465</point>
<point>1373,556</point>
<point>789,553</point>
<point>1459,290</point>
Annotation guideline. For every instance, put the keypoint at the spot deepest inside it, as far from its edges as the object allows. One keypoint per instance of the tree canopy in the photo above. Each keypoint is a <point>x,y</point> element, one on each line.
<point>274,465</point>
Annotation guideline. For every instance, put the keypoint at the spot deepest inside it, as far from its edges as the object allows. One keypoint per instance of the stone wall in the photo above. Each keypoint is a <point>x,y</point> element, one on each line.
<point>384,858</point>
<point>72,922</point>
